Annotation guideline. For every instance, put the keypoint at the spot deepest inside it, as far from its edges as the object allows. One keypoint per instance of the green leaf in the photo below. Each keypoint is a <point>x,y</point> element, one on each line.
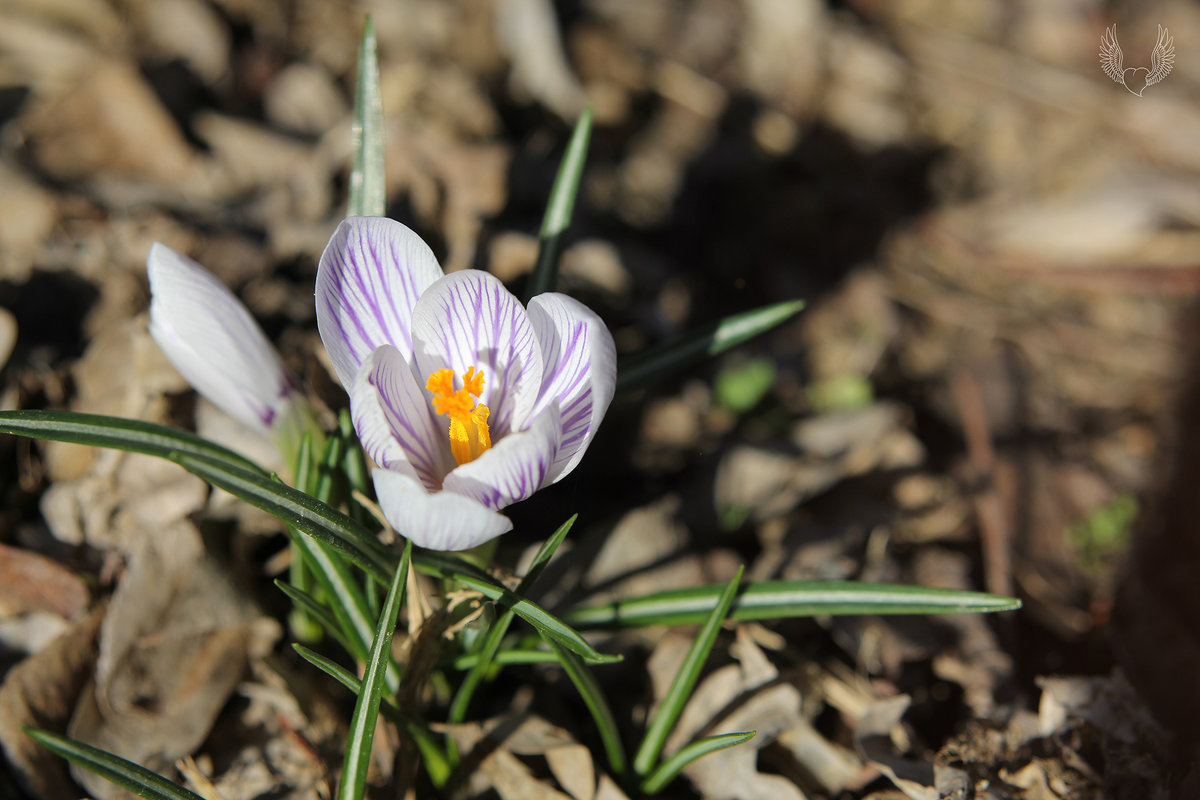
<point>495,634</point>
<point>344,596</point>
<point>330,667</point>
<point>657,780</point>
<point>514,656</point>
<point>293,507</point>
<point>443,565</point>
<point>355,464</point>
<point>672,356</point>
<point>331,570</point>
<point>544,554</point>
<point>560,207</point>
<point>597,705</point>
<point>435,760</point>
<point>353,784</point>
<point>368,186</point>
<point>783,599</point>
<point>321,615</point>
<point>685,679</point>
<point>299,574</point>
<point>132,435</point>
<point>129,776</point>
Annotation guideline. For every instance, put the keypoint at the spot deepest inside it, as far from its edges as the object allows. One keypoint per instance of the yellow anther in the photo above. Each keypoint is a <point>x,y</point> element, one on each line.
<point>473,381</point>
<point>469,434</point>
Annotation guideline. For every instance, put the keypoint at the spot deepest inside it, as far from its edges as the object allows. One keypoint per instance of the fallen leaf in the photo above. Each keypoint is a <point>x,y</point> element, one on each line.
<point>32,582</point>
<point>172,648</point>
<point>41,691</point>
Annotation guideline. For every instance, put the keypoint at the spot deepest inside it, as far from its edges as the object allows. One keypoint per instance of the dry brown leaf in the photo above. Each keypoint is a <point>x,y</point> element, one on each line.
<point>490,752</point>
<point>642,553</point>
<point>32,582</point>
<point>41,691</point>
<point>573,769</point>
<point>110,124</point>
<point>172,648</point>
<point>829,448</point>
<point>874,736</point>
<point>760,704</point>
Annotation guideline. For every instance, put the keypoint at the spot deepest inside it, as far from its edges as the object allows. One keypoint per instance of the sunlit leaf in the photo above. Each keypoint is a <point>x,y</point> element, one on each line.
<point>435,760</point>
<point>444,565</point>
<point>293,507</point>
<point>353,783</point>
<point>132,435</point>
<point>782,599</point>
<point>491,642</point>
<point>685,679</point>
<point>657,780</point>
<point>368,186</point>
<point>561,207</point>
<point>129,776</point>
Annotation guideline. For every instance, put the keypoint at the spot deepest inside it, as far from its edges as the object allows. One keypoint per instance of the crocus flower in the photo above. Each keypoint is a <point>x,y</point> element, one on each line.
<point>467,401</point>
<point>214,342</point>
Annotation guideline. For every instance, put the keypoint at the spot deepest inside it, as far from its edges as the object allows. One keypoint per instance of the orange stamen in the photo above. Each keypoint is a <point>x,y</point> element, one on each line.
<point>469,434</point>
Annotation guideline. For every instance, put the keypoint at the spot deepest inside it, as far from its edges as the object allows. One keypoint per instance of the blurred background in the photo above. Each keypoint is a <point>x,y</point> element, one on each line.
<point>991,387</point>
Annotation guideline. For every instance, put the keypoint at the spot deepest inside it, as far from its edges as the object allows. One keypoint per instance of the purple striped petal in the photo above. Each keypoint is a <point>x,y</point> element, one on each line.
<point>394,421</point>
<point>580,373</point>
<point>371,274</point>
<point>213,341</point>
<point>514,468</point>
<point>438,521</point>
<point>468,319</point>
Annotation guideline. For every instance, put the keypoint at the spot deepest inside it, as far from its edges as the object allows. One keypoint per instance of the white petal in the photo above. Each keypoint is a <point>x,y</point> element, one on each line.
<point>213,341</point>
<point>468,319</point>
<point>370,276</point>
<point>394,421</point>
<point>514,468</point>
<point>580,372</point>
<point>438,520</point>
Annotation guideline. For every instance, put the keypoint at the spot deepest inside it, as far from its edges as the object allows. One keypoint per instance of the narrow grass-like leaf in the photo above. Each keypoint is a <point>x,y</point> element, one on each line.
<point>345,598</point>
<point>435,760</point>
<point>368,192</point>
<point>560,207</point>
<point>783,599</point>
<point>353,783</point>
<point>597,705</point>
<point>483,660</point>
<point>685,679</point>
<point>118,433</point>
<point>295,508</point>
<point>299,574</point>
<point>129,776</point>
<point>320,484</point>
<point>491,642</point>
<point>657,780</point>
<point>544,554</point>
<point>321,615</point>
<point>730,332</point>
<point>331,570</point>
<point>443,565</point>
<point>514,656</point>
<point>354,464</point>
<point>330,667</point>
